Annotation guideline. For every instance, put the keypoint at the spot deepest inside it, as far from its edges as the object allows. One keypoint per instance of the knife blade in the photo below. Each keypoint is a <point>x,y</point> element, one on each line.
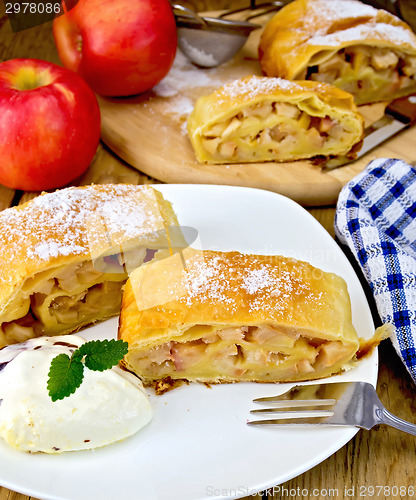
<point>399,115</point>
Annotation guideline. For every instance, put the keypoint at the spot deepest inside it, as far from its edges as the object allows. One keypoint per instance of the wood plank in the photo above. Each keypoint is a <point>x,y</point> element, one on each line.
<point>36,42</point>
<point>12,495</point>
<point>6,197</point>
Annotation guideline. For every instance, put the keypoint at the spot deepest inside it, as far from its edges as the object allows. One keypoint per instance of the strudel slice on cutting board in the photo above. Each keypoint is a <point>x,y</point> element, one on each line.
<point>258,119</point>
<point>358,48</point>
<point>64,256</point>
<point>218,317</point>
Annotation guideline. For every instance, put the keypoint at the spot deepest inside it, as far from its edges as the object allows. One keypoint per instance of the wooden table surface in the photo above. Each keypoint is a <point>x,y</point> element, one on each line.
<point>382,459</point>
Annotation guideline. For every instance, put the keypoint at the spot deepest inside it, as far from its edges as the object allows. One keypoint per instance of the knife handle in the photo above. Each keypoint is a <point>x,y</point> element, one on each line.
<point>403,109</point>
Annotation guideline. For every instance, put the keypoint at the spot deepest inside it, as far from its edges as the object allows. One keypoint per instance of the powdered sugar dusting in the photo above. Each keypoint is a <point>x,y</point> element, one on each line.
<point>331,23</point>
<point>53,249</point>
<point>201,281</point>
<point>180,106</point>
<point>254,86</point>
<point>264,284</point>
<point>182,82</point>
<point>198,55</point>
<point>183,75</point>
<point>73,220</point>
<point>397,35</point>
<point>256,280</point>
<point>344,9</point>
<point>326,12</point>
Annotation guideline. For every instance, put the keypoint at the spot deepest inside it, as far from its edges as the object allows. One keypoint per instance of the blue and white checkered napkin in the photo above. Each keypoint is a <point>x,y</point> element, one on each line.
<point>376,219</point>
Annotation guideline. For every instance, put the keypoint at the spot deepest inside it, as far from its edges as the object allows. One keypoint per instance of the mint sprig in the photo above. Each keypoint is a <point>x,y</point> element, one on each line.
<point>67,373</point>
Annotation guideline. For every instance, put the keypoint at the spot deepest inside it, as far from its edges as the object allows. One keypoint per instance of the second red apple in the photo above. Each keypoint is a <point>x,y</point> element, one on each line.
<point>120,47</point>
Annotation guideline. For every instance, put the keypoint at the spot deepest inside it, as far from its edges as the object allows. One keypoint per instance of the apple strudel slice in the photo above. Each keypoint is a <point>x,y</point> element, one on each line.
<point>258,119</point>
<point>64,256</point>
<point>366,51</point>
<point>219,317</point>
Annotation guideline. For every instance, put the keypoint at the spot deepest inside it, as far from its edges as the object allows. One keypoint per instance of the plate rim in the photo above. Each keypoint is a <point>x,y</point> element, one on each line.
<point>347,434</point>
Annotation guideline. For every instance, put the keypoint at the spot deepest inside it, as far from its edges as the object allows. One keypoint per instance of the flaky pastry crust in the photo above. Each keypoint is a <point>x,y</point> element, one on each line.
<point>225,317</point>
<point>65,255</point>
<point>363,50</point>
<point>258,119</point>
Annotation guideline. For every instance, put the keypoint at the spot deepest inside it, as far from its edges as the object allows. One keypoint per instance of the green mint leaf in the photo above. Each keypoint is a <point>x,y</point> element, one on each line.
<point>65,376</point>
<point>66,373</point>
<point>100,355</point>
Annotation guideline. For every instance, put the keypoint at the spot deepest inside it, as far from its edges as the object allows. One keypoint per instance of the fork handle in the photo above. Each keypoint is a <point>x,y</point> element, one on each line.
<point>385,417</point>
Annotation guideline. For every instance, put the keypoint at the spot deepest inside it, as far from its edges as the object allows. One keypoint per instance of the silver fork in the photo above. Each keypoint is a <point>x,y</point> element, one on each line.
<point>340,403</point>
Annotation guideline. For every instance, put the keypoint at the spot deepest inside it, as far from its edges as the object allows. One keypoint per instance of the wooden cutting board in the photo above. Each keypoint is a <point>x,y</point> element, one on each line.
<point>149,132</point>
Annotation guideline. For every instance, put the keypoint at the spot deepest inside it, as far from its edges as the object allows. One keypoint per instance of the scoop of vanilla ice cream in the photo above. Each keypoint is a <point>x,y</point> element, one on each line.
<point>107,407</point>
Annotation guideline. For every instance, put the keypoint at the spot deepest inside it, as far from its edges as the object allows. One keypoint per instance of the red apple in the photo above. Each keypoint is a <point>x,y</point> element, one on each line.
<point>49,125</point>
<point>120,47</point>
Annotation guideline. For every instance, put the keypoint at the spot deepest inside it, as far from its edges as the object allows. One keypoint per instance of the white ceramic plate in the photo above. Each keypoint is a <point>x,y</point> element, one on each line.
<point>198,445</point>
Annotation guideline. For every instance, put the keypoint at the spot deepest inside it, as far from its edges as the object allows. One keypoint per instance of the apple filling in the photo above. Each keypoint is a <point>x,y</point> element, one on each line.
<point>62,300</point>
<point>371,74</point>
<point>278,131</point>
<point>263,353</point>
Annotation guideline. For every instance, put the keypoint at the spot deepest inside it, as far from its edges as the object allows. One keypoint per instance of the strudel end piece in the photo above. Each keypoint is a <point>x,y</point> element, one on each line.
<point>218,317</point>
<point>363,50</point>
<point>259,119</point>
<point>64,256</point>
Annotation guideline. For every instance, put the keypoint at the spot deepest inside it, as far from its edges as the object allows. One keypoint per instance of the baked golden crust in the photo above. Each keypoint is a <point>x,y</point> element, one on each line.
<point>363,50</point>
<point>225,316</point>
<point>72,247</point>
<point>257,119</point>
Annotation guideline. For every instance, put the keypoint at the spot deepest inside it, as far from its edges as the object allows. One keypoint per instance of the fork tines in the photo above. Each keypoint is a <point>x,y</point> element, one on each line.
<point>294,411</point>
<point>286,403</point>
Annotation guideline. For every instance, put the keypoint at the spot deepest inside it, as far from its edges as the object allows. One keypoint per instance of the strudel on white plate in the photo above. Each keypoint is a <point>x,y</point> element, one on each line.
<point>258,119</point>
<point>64,256</point>
<point>363,50</point>
<point>219,317</point>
